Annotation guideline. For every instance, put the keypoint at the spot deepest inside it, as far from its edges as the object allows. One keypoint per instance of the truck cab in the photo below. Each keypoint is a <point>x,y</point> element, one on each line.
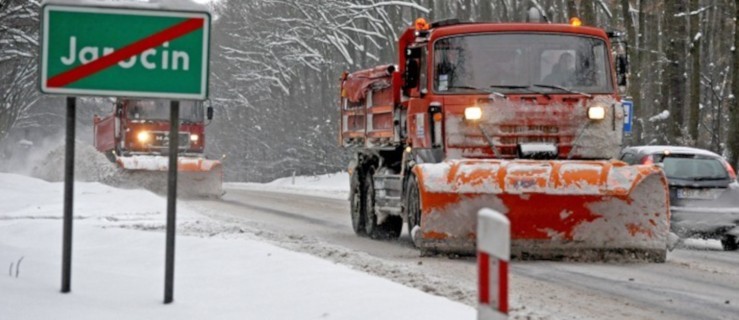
<point>503,91</point>
<point>141,127</point>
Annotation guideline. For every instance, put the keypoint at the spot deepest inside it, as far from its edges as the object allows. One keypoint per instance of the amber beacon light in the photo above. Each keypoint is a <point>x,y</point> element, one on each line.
<point>422,24</point>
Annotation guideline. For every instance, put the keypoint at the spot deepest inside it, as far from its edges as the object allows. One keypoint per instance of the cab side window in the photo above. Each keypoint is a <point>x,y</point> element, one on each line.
<point>423,72</point>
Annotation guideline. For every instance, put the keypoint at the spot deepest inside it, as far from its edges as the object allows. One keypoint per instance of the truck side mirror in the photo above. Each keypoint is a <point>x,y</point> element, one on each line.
<point>622,68</point>
<point>209,113</point>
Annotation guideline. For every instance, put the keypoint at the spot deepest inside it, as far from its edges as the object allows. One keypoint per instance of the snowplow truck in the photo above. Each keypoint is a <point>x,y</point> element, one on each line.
<point>522,118</point>
<point>136,138</point>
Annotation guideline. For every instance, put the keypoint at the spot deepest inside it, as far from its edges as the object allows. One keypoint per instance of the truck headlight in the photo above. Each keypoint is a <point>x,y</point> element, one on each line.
<point>597,113</point>
<point>194,137</point>
<point>473,113</point>
<point>143,137</point>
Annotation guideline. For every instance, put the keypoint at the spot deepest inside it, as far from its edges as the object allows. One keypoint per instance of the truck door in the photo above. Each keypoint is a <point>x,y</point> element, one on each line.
<point>417,87</point>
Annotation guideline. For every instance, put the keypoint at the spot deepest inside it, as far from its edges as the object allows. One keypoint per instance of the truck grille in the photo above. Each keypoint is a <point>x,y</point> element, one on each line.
<point>161,140</point>
<point>507,137</point>
<point>508,129</point>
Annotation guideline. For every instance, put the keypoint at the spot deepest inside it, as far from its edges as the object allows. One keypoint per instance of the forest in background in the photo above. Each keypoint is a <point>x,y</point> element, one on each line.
<point>275,67</point>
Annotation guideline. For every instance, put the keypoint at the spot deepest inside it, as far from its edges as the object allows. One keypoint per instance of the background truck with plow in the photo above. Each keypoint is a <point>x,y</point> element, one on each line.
<point>136,137</point>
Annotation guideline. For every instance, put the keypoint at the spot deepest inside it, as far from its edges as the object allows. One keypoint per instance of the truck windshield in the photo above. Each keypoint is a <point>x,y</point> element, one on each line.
<point>159,110</point>
<point>521,62</point>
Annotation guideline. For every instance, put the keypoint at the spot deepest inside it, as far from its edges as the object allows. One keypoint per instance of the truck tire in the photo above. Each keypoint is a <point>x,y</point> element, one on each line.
<point>390,228</point>
<point>413,205</point>
<point>357,206</point>
<point>729,242</point>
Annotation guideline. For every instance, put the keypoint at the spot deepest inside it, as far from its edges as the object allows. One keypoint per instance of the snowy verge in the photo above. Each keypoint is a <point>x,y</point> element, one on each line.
<point>334,186</point>
<point>118,269</point>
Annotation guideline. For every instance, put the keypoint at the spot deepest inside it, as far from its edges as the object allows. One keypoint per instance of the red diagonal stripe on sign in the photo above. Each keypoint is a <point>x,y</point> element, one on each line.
<point>126,52</point>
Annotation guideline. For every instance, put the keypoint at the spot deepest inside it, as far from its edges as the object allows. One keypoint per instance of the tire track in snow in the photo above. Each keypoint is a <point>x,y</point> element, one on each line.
<point>676,294</point>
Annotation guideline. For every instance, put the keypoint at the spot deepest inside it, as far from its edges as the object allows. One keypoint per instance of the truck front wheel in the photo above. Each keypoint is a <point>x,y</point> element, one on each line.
<point>413,208</point>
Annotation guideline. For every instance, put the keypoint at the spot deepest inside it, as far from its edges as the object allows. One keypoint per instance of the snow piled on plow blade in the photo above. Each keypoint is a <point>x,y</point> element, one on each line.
<point>160,163</point>
<point>197,176</point>
<point>582,210</point>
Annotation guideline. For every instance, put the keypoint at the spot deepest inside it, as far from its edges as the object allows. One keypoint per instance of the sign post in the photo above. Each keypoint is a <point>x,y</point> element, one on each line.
<point>124,52</point>
<point>174,142</point>
<point>68,196</point>
<point>493,254</point>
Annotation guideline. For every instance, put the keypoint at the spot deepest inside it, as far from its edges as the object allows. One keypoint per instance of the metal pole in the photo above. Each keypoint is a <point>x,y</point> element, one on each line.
<point>174,143</point>
<point>68,196</point>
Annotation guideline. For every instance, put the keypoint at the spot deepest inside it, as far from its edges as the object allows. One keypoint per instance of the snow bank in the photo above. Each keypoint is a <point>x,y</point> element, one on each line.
<point>118,268</point>
<point>89,165</point>
<point>702,244</point>
<point>335,185</point>
<point>28,198</point>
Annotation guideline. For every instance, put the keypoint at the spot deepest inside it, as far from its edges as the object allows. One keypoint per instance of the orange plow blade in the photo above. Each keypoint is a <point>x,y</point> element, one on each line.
<point>584,210</point>
<point>197,177</point>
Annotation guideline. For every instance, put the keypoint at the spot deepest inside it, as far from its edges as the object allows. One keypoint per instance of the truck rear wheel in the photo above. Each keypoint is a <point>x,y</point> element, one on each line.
<point>390,228</point>
<point>357,199</point>
<point>729,242</point>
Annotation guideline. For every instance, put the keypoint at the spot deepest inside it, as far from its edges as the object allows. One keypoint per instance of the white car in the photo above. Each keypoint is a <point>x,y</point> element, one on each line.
<point>704,194</point>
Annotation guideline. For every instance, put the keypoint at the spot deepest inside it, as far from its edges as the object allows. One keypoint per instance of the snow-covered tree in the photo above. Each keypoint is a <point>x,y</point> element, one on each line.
<point>18,61</point>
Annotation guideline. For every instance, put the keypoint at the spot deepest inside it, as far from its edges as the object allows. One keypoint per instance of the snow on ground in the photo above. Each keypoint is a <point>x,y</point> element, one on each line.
<point>335,185</point>
<point>118,266</point>
<point>702,244</point>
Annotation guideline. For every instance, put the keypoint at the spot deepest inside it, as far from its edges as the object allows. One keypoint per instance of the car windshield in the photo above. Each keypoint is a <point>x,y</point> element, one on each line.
<point>694,168</point>
<point>521,63</point>
<point>159,110</point>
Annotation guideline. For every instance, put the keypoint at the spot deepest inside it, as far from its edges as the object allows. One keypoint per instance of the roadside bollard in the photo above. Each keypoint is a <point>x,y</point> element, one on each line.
<point>493,254</point>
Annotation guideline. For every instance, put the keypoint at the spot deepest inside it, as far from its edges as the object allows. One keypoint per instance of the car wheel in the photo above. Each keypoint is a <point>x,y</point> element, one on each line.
<point>729,242</point>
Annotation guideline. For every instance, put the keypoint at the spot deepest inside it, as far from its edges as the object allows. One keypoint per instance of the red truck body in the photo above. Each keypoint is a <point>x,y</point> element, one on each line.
<point>522,118</point>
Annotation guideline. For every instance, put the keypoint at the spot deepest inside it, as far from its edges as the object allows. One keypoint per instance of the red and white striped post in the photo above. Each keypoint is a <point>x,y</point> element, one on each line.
<point>493,254</point>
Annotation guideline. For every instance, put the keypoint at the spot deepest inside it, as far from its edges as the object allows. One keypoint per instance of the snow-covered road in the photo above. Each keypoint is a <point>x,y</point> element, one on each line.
<point>221,247</point>
<point>692,284</point>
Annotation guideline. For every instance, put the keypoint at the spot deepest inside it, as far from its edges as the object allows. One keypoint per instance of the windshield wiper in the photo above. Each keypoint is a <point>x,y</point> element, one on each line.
<point>551,86</point>
<point>479,89</point>
<point>709,178</point>
<point>489,140</point>
<point>508,86</point>
<point>513,87</point>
